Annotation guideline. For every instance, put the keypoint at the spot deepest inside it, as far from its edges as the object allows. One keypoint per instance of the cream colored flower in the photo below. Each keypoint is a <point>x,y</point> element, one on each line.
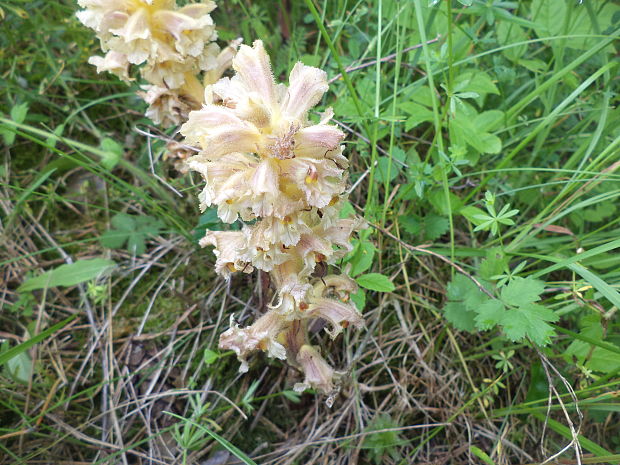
<point>166,107</point>
<point>227,246</point>
<point>113,62</point>
<point>318,373</point>
<point>172,42</point>
<point>261,335</point>
<point>298,164</point>
<point>330,301</point>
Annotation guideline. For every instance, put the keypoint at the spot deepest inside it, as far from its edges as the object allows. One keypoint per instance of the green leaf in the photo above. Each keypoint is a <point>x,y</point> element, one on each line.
<point>113,152</point>
<point>375,282</point>
<point>509,34</point>
<point>438,200</point>
<point>489,314</point>
<point>69,275</point>
<point>362,258</point>
<point>473,214</point>
<point>467,129</point>
<point>475,81</point>
<point>132,230</point>
<point>489,120</point>
<point>482,455</point>
<point>24,346</point>
<point>386,169</point>
<point>590,348</point>
<point>529,320</point>
<point>494,263</point>
<point>53,139</point>
<point>464,297</point>
<point>292,396</point>
<point>359,299</point>
<point>19,368</point>
<point>210,357</point>
<point>460,317</point>
<point>18,114</point>
<point>418,114</point>
<point>548,16</point>
<point>522,291</point>
<point>435,226</point>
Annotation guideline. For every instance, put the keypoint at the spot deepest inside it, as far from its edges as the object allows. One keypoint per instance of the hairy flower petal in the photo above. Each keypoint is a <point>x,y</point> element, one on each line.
<point>253,67</point>
<point>306,87</point>
<point>339,314</point>
<point>318,373</point>
<point>259,336</point>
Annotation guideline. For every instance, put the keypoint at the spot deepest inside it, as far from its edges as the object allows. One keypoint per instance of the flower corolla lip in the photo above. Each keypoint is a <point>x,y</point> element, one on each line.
<point>318,373</point>
<point>166,107</point>
<point>227,250</point>
<point>113,62</point>
<point>340,315</point>
<point>262,335</point>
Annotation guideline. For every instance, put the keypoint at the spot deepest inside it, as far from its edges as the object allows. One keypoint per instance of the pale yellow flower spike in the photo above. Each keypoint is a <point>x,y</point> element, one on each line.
<point>263,161</point>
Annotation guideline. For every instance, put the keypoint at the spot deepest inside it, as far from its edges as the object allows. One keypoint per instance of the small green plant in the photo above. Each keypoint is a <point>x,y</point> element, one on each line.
<point>130,232</point>
<point>492,221</point>
<point>383,443</point>
<point>515,311</point>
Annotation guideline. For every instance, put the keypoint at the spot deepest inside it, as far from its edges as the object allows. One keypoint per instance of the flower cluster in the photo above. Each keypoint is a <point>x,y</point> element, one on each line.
<point>265,163</point>
<point>171,45</point>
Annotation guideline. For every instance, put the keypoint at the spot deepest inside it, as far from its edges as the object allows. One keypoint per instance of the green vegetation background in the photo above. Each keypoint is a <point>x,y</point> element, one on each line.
<point>484,138</point>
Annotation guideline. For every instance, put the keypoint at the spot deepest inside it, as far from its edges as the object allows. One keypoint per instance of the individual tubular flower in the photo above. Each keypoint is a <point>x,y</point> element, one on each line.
<point>330,302</point>
<point>261,335</point>
<point>265,162</point>
<point>318,373</point>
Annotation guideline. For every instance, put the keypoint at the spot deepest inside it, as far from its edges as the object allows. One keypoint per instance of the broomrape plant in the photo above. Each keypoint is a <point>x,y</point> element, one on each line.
<point>263,162</point>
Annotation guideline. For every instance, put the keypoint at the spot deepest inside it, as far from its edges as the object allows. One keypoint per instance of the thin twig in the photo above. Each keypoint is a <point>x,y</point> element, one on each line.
<point>385,58</point>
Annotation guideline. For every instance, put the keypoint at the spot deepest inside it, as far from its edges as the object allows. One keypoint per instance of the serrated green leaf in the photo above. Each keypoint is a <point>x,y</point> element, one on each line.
<point>489,314</point>
<point>435,226</point>
<point>113,239</point>
<point>132,230</point>
<point>386,169</point>
<point>494,263</point>
<point>522,291</point>
<point>460,317</point>
<point>69,275</point>
<point>123,222</point>
<point>529,320</point>
<point>460,287</point>
<point>375,282</point>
